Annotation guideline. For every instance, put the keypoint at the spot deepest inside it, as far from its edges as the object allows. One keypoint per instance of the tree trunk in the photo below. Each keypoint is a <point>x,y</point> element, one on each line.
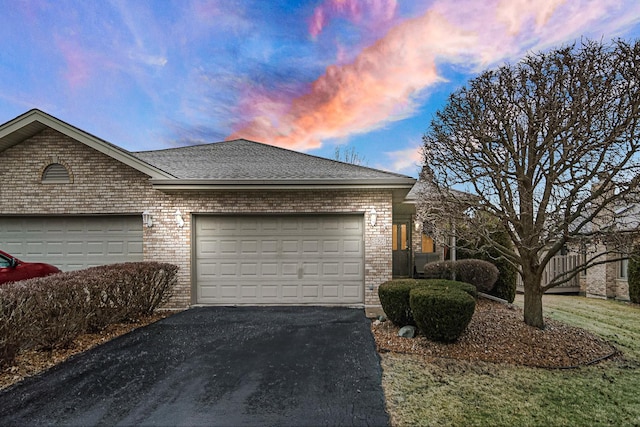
<point>533,302</point>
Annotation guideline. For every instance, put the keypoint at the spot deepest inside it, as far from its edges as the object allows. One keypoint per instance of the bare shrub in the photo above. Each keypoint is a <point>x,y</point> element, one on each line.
<point>50,312</point>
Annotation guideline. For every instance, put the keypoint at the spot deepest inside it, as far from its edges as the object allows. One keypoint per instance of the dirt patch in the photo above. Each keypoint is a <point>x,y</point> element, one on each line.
<point>29,363</point>
<point>498,334</point>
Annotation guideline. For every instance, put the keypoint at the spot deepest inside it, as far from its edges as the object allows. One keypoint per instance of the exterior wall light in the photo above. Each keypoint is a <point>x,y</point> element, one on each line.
<point>373,217</point>
<point>147,219</point>
<point>179,219</point>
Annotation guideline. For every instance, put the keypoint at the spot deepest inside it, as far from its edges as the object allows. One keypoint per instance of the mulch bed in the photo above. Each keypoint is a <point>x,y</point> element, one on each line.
<point>31,362</point>
<point>498,334</point>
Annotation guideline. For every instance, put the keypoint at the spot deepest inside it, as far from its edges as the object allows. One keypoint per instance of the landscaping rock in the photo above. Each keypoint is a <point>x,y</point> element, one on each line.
<point>407,332</point>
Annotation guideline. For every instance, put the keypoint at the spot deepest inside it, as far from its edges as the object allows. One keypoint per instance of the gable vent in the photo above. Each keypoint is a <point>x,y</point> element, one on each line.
<point>55,173</point>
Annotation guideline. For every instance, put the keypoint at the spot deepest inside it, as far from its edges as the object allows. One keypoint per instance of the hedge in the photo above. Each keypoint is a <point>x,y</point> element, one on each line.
<point>50,312</point>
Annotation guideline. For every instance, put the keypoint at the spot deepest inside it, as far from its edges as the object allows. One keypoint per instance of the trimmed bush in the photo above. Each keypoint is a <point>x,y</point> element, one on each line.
<point>633,275</point>
<point>482,274</point>
<point>50,312</point>
<point>395,296</point>
<point>441,313</point>
<point>453,285</point>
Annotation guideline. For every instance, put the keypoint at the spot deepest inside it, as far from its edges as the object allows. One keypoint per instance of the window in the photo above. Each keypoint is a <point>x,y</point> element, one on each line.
<point>4,262</point>
<point>427,244</point>
<point>55,173</point>
<point>623,267</point>
<point>399,232</point>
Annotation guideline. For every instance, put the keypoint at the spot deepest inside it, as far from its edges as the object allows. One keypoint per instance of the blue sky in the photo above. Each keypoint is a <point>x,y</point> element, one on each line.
<point>309,75</point>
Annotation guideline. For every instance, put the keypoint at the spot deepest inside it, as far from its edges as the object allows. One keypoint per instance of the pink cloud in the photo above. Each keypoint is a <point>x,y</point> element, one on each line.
<point>383,82</point>
<point>407,160</point>
<point>375,12</point>
<point>77,63</point>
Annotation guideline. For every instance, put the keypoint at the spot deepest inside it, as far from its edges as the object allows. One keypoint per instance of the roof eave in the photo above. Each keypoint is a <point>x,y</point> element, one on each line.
<point>329,184</point>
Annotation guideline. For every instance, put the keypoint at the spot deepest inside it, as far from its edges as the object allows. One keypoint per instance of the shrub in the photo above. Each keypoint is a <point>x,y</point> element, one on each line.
<point>14,309</point>
<point>395,296</point>
<point>505,286</point>
<point>124,292</point>
<point>58,312</point>
<point>441,313</point>
<point>50,312</point>
<point>482,274</point>
<point>453,285</point>
<point>633,275</point>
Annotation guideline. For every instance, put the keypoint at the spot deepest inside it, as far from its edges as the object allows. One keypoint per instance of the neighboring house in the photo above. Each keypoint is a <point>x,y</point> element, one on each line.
<point>247,223</point>
<point>610,280</point>
<point>607,280</point>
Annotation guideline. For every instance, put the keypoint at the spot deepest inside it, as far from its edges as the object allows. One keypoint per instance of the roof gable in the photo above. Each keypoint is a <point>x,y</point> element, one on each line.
<point>35,121</point>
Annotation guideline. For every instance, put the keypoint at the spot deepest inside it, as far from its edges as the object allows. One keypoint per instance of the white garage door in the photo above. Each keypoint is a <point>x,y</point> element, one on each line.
<point>73,242</point>
<point>279,259</point>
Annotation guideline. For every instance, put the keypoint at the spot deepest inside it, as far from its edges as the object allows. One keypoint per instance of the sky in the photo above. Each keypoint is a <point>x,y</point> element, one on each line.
<point>309,75</point>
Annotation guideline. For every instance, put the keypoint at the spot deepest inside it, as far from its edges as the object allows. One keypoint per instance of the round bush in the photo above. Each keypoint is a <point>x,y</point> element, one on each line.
<point>441,314</point>
<point>453,285</point>
<point>482,274</point>
<point>439,270</point>
<point>394,298</point>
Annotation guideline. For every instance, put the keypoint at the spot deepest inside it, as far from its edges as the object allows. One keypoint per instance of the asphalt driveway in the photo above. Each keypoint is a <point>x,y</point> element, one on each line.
<point>216,366</point>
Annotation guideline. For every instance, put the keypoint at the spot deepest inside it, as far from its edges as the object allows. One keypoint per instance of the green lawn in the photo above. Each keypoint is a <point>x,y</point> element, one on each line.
<point>449,392</point>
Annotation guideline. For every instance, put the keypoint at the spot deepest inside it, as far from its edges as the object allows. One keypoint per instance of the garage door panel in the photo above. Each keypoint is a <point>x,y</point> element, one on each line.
<point>73,242</point>
<point>249,247</point>
<point>310,247</point>
<point>280,259</point>
<point>268,269</point>
<point>289,269</point>
<point>352,246</point>
<point>351,291</point>
<point>351,269</point>
<point>330,291</point>
<point>270,291</point>
<point>290,246</point>
<point>207,247</point>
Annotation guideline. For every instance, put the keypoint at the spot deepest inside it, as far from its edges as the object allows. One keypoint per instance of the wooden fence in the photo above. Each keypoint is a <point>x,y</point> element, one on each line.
<point>558,265</point>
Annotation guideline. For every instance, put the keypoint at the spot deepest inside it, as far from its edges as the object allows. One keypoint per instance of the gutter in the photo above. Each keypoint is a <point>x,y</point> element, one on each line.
<point>312,184</point>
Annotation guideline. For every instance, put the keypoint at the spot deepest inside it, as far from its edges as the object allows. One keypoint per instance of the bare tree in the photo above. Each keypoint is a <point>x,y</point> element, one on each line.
<point>349,155</point>
<point>548,146</point>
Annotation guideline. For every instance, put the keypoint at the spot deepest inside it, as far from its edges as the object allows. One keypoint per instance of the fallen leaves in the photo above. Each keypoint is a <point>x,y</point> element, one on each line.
<point>29,363</point>
<point>498,334</point>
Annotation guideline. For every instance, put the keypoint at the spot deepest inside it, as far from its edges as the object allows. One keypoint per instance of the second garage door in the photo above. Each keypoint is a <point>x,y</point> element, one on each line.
<point>73,242</point>
<point>279,259</point>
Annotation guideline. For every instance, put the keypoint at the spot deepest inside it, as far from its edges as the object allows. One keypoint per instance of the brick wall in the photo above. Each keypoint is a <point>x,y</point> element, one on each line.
<point>602,281</point>
<point>102,185</point>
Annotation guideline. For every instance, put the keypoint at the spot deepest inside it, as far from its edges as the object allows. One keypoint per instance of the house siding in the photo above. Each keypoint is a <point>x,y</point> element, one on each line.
<point>102,185</point>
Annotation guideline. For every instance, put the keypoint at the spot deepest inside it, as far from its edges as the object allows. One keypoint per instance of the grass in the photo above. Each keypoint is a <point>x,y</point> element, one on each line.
<point>456,393</point>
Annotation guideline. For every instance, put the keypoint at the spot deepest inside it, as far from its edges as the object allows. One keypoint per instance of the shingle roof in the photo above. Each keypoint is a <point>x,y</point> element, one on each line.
<point>240,159</point>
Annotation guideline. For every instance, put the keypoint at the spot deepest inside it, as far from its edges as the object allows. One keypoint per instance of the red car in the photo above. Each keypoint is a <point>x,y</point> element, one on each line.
<point>12,269</point>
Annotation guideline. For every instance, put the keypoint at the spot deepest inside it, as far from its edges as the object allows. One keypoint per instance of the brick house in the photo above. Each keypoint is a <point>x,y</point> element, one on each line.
<point>247,223</point>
